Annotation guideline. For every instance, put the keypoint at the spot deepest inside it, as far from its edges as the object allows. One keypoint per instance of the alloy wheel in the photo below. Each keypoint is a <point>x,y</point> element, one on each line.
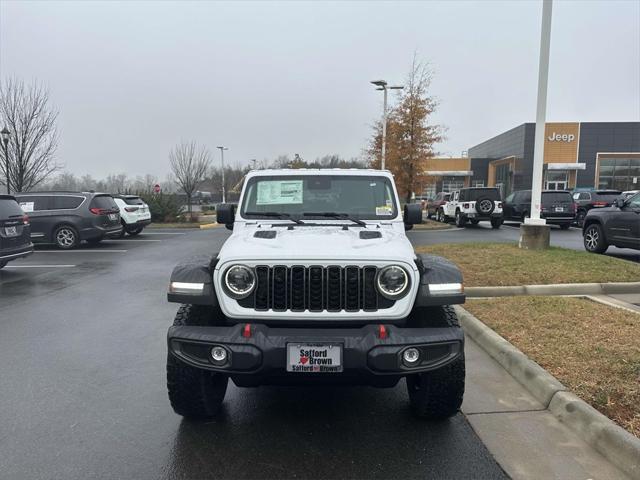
<point>591,238</point>
<point>65,237</point>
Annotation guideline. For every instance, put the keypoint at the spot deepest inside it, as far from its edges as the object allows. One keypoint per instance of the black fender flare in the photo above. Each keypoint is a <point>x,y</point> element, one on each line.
<point>197,269</point>
<point>434,269</point>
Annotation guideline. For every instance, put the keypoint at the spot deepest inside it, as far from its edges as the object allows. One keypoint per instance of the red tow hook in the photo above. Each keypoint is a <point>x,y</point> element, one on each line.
<point>382,332</point>
<point>246,331</point>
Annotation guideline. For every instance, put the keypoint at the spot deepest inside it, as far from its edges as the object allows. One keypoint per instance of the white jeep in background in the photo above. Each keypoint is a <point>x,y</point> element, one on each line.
<point>474,205</point>
<point>318,284</point>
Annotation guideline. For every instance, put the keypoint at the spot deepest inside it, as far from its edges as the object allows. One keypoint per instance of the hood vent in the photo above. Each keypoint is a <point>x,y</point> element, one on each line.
<point>369,234</point>
<point>265,234</point>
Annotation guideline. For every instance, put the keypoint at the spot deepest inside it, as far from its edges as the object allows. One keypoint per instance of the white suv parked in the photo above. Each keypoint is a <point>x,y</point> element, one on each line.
<point>475,205</point>
<point>134,213</point>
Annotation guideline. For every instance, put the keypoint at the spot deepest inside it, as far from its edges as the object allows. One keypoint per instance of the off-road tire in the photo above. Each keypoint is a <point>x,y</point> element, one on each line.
<point>440,216</point>
<point>70,235</point>
<point>437,394</point>
<point>460,220</point>
<point>496,223</point>
<point>195,393</point>
<point>593,239</point>
<point>485,201</point>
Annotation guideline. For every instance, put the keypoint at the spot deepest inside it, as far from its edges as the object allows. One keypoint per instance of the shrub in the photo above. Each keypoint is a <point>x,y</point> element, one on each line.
<point>164,207</point>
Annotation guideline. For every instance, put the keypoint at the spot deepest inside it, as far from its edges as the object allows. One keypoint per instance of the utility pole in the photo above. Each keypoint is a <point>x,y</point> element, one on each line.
<point>224,194</point>
<point>534,232</point>
<point>5,141</point>
<point>382,85</point>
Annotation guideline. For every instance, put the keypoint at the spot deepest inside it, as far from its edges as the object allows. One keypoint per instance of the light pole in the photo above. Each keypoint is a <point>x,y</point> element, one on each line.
<point>5,141</point>
<point>534,232</point>
<point>224,196</point>
<point>382,85</point>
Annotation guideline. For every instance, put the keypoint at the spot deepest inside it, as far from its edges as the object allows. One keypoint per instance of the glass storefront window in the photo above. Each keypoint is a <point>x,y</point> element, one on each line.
<point>619,173</point>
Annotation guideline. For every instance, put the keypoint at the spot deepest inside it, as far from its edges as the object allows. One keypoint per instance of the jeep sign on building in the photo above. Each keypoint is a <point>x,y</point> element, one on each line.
<point>602,155</point>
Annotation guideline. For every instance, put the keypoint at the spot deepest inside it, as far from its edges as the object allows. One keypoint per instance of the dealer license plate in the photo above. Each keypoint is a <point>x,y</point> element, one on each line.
<point>11,231</point>
<point>559,209</point>
<point>314,358</point>
<point>113,216</point>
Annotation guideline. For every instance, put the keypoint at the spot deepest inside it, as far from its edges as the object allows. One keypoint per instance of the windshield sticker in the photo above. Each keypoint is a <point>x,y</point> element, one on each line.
<point>279,192</point>
<point>384,211</point>
<point>27,207</point>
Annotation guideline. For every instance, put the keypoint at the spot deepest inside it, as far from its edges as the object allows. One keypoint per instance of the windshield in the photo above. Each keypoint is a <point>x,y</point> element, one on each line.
<point>363,197</point>
<point>556,197</point>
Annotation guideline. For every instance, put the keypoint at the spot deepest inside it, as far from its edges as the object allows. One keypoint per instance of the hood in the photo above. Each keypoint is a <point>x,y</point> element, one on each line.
<point>329,243</point>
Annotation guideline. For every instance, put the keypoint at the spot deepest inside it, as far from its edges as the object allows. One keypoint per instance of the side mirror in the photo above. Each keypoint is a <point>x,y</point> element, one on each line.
<point>412,214</point>
<point>226,214</point>
<point>620,202</point>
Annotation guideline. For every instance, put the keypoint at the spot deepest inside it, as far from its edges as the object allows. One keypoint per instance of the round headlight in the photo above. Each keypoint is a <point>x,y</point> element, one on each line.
<point>239,281</point>
<point>392,281</point>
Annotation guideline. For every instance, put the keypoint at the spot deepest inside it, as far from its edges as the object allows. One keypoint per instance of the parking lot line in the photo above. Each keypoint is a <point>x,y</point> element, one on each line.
<point>130,240</point>
<point>164,233</point>
<point>82,251</point>
<point>39,266</point>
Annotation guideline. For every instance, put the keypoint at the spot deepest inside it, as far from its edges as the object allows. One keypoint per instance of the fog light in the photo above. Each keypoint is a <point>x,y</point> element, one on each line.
<point>219,355</point>
<point>411,356</point>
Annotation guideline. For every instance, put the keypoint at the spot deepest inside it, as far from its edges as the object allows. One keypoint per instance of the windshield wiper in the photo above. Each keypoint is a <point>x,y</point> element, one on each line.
<point>276,215</point>
<point>340,216</point>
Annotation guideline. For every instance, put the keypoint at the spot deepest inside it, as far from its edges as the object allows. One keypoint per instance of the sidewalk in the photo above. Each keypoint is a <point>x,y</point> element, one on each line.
<point>526,440</point>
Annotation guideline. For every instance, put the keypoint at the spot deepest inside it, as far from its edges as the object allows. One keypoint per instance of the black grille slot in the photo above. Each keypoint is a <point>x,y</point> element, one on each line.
<point>352,289</point>
<point>262,288</point>
<point>298,284</point>
<point>369,292</point>
<point>334,289</point>
<point>279,288</point>
<point>316,288</point>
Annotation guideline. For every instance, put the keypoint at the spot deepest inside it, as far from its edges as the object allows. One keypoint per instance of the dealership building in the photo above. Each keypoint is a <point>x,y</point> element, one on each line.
<point>603,155</point>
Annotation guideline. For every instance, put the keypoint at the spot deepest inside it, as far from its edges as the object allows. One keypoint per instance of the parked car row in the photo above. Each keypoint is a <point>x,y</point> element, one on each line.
<point>607,217</point>
<point>66,219</point>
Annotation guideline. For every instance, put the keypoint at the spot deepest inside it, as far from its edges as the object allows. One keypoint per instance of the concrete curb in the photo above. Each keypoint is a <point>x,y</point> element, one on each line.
<point>554,289</point>
<point>616,444</point>
<point>208,226</point>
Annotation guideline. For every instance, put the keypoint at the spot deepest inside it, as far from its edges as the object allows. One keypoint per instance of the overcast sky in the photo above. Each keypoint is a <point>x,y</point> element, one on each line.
<point>133,78</point>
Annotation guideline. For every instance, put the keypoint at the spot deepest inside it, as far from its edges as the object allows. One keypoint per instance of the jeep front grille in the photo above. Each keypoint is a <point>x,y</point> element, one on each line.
<point>315,288</point>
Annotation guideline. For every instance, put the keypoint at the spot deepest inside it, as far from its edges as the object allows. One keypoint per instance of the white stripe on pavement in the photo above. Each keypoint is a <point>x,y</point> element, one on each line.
<point>82,251</point>
<point>39,266</point>
<point>130,240</point>
<point>164,233</point>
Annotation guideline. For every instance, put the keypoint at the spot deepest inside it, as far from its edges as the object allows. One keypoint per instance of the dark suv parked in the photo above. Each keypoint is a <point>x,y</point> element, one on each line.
<point>558,207</point>
<point>618,225</point>
<point>15,239</point>
<point>593,199</point>
<point>66,218</point>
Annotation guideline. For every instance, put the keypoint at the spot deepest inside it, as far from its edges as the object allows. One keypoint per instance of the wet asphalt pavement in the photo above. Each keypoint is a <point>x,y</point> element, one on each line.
<point>82,369</point>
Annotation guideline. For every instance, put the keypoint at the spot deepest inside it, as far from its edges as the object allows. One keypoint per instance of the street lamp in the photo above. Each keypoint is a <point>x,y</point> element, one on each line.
<point>5,141</point>
<point>222,149</point>
<point>382,85</point>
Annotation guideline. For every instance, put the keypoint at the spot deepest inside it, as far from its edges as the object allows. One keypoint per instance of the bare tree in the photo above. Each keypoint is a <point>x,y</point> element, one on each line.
<point>189,163</point>
<point>31,121</point>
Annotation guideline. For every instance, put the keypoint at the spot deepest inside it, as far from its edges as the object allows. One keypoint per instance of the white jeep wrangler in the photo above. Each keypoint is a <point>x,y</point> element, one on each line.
<point>474,205</point>
<point>317,284</point>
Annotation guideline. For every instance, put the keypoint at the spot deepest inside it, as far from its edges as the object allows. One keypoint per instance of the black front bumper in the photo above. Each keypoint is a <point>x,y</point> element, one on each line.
<point>366,358</point>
